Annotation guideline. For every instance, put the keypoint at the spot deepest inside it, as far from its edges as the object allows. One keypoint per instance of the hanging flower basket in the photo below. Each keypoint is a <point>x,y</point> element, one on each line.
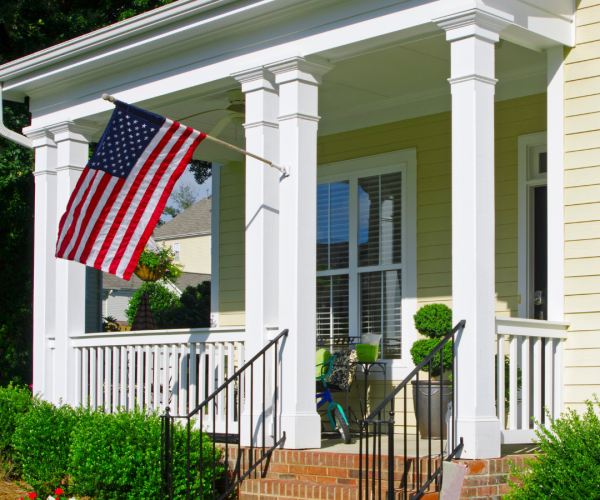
<point>157,263</point>
<point>147,273</point>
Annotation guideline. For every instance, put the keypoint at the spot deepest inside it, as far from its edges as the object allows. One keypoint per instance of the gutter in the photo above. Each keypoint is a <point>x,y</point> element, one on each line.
<point>9,134</point>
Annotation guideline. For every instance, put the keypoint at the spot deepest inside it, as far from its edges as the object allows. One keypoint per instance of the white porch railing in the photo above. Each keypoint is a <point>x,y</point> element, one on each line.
<point>157,368</point>
<point>536,349</point>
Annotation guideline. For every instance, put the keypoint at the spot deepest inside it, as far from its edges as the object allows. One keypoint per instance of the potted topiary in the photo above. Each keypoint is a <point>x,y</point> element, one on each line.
<point>433,321</point>
<point>157,263</point>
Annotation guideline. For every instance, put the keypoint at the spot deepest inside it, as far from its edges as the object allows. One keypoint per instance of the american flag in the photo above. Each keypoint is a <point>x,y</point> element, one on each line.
<point>123,190</point>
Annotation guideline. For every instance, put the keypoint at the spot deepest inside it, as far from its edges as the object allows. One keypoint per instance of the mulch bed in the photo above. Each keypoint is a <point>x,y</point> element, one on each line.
<point>10,490</point>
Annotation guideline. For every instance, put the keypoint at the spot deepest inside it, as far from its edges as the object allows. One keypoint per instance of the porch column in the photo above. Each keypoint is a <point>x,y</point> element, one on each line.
<point>298,81</point>
<point>72,155</point>
<point>472,34</point>
<point>45,231</point>
<point>262,234</point>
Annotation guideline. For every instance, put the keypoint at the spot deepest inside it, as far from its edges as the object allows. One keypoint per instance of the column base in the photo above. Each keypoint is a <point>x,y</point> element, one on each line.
<point>302,431</point>
<point>481,437</point>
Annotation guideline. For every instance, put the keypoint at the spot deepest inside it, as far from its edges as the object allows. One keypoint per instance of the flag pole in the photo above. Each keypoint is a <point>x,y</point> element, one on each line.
<point>281,168</point>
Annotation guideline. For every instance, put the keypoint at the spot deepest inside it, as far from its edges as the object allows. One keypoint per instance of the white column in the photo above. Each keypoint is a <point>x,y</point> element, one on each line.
<point>44,262</point>
<point>556,184</point>
<point>298,81</point>
<point>472,34</point>
<point>72,155</point>
<point>262,232</point>
<point>215,241</point>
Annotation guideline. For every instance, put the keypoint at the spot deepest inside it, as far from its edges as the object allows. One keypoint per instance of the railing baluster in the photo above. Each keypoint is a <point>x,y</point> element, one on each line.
<point>165,372</point>
<point>193,387</point>
<point>513,364</point>
<point>230,371</point>
<point>183,380</point>
<point>537,380</point>
<point>123,368</point>
<point>93,375</point>
<point>139,382</point>
<point>559,382</point>
<point>211,377</point>
<point>156,377</point>
<point>131,377</point>
<point>79,372</point>
<point>174,369</point>
<point>220,378</point>
<point>100,377</point>
<point>525,372</point>
<point>147,376</point>
<point>115,378</point>
<point>501,383</point>
<point>549,377</point>
<point>108,378</point>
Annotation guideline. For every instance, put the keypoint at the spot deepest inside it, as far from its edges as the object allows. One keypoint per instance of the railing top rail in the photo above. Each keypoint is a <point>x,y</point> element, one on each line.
<point>531,328</point>
<point>159,337</point>
<point>238,372</point>
<point>461,324</point>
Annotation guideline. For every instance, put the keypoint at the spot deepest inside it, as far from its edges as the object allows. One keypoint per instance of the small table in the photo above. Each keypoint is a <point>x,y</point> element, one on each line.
<point>366,368</point>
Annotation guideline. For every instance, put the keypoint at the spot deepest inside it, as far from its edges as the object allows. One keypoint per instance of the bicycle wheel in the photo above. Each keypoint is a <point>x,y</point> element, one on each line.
<point>341,425</point>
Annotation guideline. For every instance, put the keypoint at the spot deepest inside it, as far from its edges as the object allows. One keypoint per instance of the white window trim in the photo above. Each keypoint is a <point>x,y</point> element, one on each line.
<point>525,215</point>
<point>404,161</point>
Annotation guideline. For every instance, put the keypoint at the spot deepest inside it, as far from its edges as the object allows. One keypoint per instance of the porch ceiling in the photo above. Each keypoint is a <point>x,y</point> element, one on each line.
<point>381,86</point>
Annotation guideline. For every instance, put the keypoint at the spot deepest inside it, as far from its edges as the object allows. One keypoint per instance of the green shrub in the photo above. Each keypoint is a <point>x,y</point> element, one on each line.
<point>434,320</point>
<point>14,402</point>
<point>42,443</point>
<point>160,297</point>
<point>421,349</point>
<point>117,456</point>
<point>567,466</point>
<point>192,310</point>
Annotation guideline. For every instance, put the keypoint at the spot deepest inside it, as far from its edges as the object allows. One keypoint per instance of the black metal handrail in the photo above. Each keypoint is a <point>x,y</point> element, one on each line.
<point>231,478</point>
<point>371,473</point>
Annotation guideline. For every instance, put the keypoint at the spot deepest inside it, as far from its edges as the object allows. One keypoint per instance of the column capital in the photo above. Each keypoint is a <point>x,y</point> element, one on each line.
<point>41,136</point>
<point>298,68</point>
<point>259,78</point>
<point>483,23</point>
<point>73,131</point>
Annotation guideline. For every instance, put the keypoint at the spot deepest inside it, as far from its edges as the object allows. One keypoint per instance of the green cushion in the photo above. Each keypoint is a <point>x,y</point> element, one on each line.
<point>323,355</point>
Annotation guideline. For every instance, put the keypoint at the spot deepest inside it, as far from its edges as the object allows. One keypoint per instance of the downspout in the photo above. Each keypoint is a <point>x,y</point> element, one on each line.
<point>9,134</point>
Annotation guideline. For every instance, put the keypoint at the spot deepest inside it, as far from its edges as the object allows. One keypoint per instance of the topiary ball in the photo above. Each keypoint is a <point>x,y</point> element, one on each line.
<point>434,320</point>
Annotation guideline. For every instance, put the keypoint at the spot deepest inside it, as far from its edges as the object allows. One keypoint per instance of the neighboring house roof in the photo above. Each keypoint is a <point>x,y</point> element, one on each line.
<point>112,282</point>
<point>194,221</point>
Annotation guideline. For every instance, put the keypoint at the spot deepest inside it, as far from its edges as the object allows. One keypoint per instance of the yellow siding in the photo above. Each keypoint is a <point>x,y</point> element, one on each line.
<point>194,253</point>
<point>231,245</point>
<point>582,211</point>
<point>431,136</point>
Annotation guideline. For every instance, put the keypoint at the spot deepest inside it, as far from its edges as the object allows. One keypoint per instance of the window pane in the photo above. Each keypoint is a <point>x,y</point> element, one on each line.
<point>332,306</point>
<point>391,219</point>
<point>368,221</point>
<point>392,314</point>
<point>370,303</point>
<point>333,225</point>
<point>322,227</point>
<point>339,225</point>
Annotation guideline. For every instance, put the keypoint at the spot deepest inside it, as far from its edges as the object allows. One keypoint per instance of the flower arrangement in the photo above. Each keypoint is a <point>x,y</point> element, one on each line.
<point>158,263</point>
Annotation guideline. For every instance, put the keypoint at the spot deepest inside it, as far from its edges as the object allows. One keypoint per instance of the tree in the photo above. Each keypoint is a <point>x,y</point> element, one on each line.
<point>27,26</point>
<point>202,170</point>
<point>183,197</point>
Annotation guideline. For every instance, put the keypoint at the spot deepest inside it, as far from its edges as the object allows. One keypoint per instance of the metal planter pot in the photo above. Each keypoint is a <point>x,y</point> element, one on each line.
<point>421,398</point>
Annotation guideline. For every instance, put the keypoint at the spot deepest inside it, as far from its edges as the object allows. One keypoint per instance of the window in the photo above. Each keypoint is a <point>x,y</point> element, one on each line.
<point>176,250</point>
<point>359,257</point>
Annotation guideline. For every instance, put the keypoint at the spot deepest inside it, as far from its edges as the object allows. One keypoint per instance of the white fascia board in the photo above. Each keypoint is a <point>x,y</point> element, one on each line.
<point>233,49</point>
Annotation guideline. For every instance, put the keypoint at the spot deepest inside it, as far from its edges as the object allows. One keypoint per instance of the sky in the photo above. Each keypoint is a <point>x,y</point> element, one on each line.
<point>202,191</point>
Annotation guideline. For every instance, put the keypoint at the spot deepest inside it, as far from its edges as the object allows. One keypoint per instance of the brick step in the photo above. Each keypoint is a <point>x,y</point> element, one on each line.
<point>264,489</point>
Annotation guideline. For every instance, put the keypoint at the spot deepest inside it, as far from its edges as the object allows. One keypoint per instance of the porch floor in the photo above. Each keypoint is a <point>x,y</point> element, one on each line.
<point>336,445</point>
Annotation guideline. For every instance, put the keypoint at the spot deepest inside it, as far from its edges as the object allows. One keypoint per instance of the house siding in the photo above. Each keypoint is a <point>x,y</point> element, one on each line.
<point>194,253</point>
<point>431,135</point>
<point>582,208</point>
<point>232,215</point>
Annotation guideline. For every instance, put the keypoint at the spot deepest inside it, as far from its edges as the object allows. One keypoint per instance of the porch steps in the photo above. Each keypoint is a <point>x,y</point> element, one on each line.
<point>313,475</point>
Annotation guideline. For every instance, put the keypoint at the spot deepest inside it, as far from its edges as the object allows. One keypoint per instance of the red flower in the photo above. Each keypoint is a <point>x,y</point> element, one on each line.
<point>58,491</point>
<point>31,495</point>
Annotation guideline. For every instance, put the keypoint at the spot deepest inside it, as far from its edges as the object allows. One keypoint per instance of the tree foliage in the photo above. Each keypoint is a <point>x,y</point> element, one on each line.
<point>27,26</point>
<point>183,197</point>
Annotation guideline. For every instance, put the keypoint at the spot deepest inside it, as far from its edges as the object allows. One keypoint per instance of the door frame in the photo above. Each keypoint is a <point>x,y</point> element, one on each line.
<point>525,222</point>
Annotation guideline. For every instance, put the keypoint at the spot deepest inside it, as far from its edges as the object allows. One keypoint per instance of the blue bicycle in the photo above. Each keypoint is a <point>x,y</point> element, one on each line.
<point>335,412</point>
